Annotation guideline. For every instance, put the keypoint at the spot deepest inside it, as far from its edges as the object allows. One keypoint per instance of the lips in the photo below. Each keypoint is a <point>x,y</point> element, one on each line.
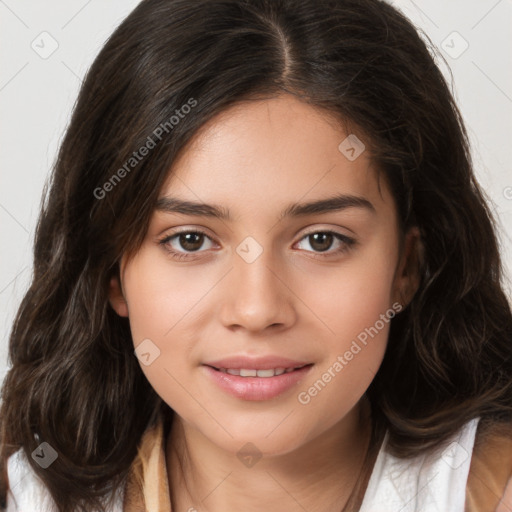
<point>256,378</point>
<point>256,363</point>
<point>262,373</point>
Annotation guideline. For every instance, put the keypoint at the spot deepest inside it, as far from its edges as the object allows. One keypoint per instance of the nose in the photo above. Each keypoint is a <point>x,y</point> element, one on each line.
<point>256,296</point>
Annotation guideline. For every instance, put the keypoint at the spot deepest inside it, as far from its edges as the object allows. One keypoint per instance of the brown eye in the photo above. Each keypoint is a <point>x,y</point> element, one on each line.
<point>184,243</point>
<point>329,242</point>
<point>321,241</point>
<point>191,241</point>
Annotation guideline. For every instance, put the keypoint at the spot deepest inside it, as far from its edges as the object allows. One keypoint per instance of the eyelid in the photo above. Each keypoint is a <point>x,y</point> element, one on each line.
<point>346,241</point>
<point>186,229</point>
<point>201,231</point>
<point>326,230</point>
<point>206,232</point>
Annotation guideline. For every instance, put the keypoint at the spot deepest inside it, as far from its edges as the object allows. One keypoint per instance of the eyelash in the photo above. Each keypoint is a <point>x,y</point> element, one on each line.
<point>346,241</point>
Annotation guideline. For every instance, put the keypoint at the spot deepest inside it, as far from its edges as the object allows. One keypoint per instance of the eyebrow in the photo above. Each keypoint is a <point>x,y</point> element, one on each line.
<point>331,204</point>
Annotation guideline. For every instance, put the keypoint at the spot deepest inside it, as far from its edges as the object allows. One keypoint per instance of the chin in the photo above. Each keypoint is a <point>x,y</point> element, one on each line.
<point>267,438</point>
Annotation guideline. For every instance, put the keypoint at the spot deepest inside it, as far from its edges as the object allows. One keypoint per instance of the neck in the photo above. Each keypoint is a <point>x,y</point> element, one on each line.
<point>320,476</point>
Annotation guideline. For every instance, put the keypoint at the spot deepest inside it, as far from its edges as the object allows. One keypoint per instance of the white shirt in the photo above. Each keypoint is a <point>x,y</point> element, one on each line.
<point>28,494</point>
<point>433,482</point>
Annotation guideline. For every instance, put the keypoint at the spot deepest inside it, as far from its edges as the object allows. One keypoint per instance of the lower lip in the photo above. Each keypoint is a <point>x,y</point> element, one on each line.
<point>257,388</point>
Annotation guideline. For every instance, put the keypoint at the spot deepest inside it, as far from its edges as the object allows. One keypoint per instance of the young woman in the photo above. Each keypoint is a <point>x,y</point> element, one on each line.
<point>265,278</point>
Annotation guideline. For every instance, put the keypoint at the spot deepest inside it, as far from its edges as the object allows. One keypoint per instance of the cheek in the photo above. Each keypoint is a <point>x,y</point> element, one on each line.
<point>352,296</point>
<point>160,296</point>
<point>356,309</point>
<point>351,358</point>
<point>163,304</point>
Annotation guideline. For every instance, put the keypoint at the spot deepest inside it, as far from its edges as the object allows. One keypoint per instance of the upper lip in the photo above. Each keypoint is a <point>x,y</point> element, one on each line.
<point>256,363</point>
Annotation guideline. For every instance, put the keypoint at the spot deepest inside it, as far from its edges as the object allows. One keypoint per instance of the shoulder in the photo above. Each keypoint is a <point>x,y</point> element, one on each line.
<point>428,481</point>
<point>489,485</point>
<point>27,493</point>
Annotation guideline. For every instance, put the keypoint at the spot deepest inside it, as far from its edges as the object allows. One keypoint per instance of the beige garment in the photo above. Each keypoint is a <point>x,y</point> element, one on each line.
<point>489,486</point>
<point>147,488</point>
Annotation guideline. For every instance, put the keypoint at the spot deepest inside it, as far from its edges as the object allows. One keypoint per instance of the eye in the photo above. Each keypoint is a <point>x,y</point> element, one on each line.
<point>322,241</point>
<point>188,241</point>
<point>183,245</point>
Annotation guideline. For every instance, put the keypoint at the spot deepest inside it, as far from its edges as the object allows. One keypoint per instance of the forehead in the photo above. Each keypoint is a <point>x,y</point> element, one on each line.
<point>264,153</point>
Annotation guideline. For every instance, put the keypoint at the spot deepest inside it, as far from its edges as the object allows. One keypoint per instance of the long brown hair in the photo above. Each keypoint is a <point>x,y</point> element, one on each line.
<point>75,382</point>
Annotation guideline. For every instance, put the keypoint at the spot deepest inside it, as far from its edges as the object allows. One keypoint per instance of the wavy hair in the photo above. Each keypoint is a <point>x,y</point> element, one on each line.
<point>74,381</point>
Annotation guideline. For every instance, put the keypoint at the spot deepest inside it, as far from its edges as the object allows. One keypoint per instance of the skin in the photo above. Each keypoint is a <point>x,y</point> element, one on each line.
<point>293,301</point>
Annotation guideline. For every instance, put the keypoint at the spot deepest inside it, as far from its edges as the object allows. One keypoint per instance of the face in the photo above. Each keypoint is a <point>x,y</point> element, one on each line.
<point>257,318</point>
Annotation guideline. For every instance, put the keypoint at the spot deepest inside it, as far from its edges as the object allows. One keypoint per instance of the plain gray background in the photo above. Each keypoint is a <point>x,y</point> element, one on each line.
<point>48,46</point>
